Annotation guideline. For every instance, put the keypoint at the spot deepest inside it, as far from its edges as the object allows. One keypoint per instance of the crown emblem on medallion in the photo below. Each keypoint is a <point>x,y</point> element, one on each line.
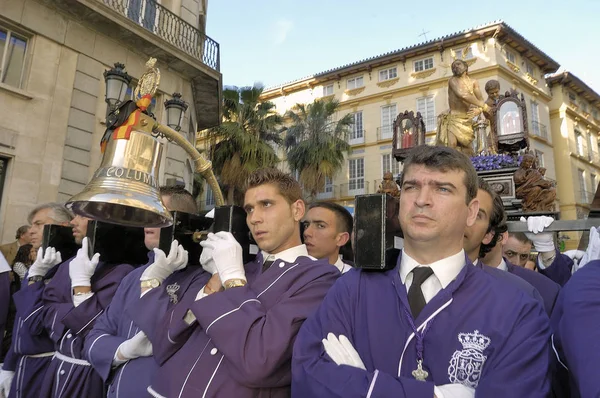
<point>474,341</point>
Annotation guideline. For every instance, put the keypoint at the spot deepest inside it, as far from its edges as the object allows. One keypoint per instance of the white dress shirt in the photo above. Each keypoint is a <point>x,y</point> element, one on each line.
<point>342,266</point>
<point>289,256</point>
<point>444,272</point>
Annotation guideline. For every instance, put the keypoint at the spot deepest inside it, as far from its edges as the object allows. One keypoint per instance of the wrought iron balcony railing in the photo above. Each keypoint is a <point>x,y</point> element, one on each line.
<point>357,137</point>
<point>385,133</point>
<point>154,17</point>
<point>539,129</point>
<point>354,187</point>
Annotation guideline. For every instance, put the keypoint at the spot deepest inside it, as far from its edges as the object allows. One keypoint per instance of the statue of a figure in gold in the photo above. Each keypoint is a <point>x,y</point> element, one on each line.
<point>388,185</point>
<point>535,192</point>
<point>455,126</point>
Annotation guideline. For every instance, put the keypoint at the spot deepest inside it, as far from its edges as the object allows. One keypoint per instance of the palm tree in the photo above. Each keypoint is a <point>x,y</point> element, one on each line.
<point>245,140</point>
<point>315,143</point>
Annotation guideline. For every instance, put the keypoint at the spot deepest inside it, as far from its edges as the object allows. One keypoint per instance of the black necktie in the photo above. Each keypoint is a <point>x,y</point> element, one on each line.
<point>415,294</point>
<point>267,264</point>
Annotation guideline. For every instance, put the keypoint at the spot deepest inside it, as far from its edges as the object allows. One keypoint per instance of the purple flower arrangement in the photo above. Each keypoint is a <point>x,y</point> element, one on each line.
<point>495,162</point>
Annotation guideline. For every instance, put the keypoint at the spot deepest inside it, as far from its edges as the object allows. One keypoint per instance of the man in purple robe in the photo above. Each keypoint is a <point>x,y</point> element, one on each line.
<point>233,337</point>
<point>30,353</point>
<point>434,326</point>
<point>5,271</point>
<point>116,347</point>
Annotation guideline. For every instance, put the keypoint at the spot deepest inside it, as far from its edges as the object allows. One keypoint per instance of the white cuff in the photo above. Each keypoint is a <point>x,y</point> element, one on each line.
<point>80,298</point>
<point>144,292</point>
<point>201,294</point>
<point>453,391</point>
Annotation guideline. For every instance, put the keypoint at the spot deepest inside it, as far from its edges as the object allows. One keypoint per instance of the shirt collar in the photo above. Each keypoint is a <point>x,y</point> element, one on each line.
<point>503,265</point>
<point>446,269</point>
<point>340,265</point>
<point>289,256</point>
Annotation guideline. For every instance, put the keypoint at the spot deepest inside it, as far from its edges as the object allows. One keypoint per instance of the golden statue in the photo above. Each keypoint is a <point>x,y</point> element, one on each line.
<point>149,81</point>
<point>455,126</point>
<point>389,186</point>
<point>535,192</point>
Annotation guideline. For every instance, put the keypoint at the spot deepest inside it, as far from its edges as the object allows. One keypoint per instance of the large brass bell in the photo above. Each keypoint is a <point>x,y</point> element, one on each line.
<point>124,189</point>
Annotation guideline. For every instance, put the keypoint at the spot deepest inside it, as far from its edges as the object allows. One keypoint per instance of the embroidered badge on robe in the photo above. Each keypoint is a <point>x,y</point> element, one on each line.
<point>465,366</point>
<point>172,292</point>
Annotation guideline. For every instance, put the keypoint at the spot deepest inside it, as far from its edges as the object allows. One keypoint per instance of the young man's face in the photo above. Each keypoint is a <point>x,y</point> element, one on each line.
<point>321,235</point>
<point>79,224</point>
<point>516,251</point>
<point>477,233</point>
<point>433,208</point>
<point>271,219</point>
<point>36,232</point>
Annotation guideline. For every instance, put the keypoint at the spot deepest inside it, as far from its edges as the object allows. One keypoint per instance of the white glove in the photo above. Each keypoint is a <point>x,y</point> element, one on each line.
<point>135,347</point>
<point>593,250</point>
<point>342,352</point>
<point>542,241</point>
<point>227,255</point>
<point>163,266</point>
<point>454,391</point>
<point>44,262</point>
<point>6,377</point>
<point>206,260</point>
<point>81,267</point>
<point>574,255</point>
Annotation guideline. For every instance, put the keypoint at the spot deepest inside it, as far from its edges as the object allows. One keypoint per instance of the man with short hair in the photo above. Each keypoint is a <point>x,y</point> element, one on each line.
<point>47,213</point>
<point>233,337</point>
<point>32,349</point>
<point>117,348</point>
<point>517,248</point>
<point>434,326</point>
<point>327,228</point>
<point>10,250</point>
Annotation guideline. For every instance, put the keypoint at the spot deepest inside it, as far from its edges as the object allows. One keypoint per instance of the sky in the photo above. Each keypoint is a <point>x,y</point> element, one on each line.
<point>276,41</point>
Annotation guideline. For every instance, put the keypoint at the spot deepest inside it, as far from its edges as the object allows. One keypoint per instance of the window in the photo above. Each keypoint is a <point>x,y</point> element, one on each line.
<point>595,114</point>
<point>388,114</point>
<point>327,191</point>
<point>389,163</point>
<point>327,90</point>
<point>355,82</point>
<point>426,106</point>
<point>356,176</point>
<point>530,68</point>
<point>388,74</point>
<point>590,145</point>
<point>463,53</point>
<point>210,197</point>
<point>582,186</point>
<point>423,64</point>
<point>539,155</point>
<point>594,179</point>
<point>12,54</point>
<point>357,136</point>
<point>510,57</point>
<point>538,128</point>
<point>572,97</point>
<point>579,143</point>
<point>583,107</point>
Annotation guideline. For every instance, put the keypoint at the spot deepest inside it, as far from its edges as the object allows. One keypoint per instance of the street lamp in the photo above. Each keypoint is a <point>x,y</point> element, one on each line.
<point>117,82</point>
<point>175,108</point>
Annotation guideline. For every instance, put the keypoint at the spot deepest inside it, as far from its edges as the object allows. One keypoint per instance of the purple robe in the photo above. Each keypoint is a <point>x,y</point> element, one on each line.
<point>514,280</point>
<point>576,339</point>
<point>69,373</point>
<point>560,269</point>
<point>4,306</point>
<point>31,348</point>
<point>240,344</point>
<point>114,326</point>
<point>479,332</point>
<point>547,288</point>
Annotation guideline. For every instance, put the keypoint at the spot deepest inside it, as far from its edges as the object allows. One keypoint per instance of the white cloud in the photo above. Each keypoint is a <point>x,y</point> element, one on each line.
<point>281,29</point>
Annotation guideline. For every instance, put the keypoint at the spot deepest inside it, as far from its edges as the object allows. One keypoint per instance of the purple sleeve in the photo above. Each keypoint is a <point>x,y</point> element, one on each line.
<point>577,329</point>
<point>57,302</point>
<point>257,341</point>
<point>4,302</point>
<point>10,359</point>
<point>30,306</point>
<point>81,319</point>
<point>315,375</point>
<point>520,367</point>
<point>102,341</point>
<point>560,269</point>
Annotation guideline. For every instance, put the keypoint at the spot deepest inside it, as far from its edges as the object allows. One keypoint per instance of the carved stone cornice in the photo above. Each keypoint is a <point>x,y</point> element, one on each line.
<point>388,83</point>
<point>423,74</point>
<point>512,66</point>
<point>355,91</point>
<point>531,79</point>
<point>327,97</point>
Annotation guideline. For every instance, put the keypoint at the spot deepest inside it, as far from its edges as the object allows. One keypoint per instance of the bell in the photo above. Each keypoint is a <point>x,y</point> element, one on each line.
<point>124,189</point>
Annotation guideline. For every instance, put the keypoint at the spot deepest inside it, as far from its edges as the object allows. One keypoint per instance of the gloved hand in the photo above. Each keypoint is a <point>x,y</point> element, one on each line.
<point>227,255</point>
<point>44,262</point>
<point>542,241</point>
<point>6,377</point>
<point>206,260</point>
<point>135,347</point>
<point>81,267</point>
<point>163,266</point>
<point>342,352</point>
<point>593,250</point>
<point>574,255</point>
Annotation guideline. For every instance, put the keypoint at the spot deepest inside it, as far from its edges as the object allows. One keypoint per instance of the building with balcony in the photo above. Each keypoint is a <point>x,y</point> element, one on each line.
<point>377,89</point>
<point>52,57</point>
<point>575,127</point>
